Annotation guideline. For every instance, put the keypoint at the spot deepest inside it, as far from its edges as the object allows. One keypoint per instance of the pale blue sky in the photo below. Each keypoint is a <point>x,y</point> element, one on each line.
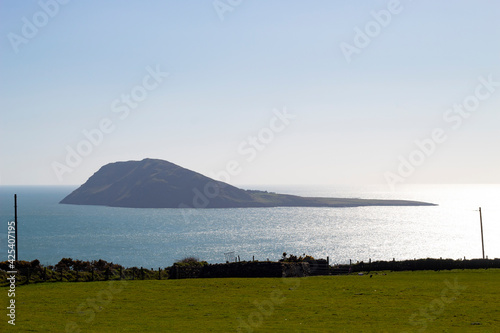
<point>353,120</point>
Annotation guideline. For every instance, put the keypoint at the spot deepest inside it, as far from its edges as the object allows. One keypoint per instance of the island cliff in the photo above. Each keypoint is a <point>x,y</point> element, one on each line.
<point>153,183</point>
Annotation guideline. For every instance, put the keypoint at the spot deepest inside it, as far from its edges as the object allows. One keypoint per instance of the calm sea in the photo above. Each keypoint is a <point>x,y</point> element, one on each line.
<point>151,238</point>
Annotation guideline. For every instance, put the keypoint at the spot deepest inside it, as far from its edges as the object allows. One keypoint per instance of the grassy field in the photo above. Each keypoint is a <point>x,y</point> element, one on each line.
<point>445,301</point>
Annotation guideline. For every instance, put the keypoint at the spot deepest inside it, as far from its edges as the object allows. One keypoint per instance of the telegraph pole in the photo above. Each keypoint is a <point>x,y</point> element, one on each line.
<point>15,221</point>
<point>480,221</point>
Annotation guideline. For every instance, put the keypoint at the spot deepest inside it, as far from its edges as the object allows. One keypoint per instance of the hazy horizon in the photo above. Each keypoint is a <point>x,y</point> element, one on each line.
<point>288,92</point>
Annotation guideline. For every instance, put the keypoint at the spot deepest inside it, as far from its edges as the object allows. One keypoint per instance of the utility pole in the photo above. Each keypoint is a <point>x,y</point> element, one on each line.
<point>480,221</point>
<point>15,222</point>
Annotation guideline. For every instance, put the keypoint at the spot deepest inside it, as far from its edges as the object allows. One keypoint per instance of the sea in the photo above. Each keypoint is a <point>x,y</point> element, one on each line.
<point>152,238</point>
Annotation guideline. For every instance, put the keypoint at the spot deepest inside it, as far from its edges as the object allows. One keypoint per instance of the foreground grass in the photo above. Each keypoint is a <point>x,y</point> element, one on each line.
<point>446,301</point>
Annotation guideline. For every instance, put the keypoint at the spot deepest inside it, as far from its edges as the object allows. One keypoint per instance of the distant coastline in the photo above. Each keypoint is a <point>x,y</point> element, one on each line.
<point>154,183</point>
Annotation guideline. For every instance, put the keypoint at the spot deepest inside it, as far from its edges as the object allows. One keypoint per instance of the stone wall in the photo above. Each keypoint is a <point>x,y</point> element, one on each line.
<point>242,269</point>
<point>422,264</point>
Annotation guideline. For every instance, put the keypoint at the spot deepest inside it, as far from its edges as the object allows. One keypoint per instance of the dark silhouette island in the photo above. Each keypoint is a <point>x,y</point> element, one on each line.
<point>153,183</point>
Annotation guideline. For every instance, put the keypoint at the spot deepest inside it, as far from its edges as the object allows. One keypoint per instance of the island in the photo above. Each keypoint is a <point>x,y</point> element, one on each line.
<point>154,183</point>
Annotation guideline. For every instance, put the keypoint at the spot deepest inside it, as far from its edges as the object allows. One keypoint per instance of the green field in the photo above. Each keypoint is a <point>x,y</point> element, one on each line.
<point>445,301</point>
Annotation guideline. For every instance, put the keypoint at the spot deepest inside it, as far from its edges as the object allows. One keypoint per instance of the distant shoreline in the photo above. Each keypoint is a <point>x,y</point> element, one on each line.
<point>309,202</point>
<point>153,183</point>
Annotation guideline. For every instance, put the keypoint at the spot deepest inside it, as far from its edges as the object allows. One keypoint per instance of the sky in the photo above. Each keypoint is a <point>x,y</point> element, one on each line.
<point>252,92</point>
